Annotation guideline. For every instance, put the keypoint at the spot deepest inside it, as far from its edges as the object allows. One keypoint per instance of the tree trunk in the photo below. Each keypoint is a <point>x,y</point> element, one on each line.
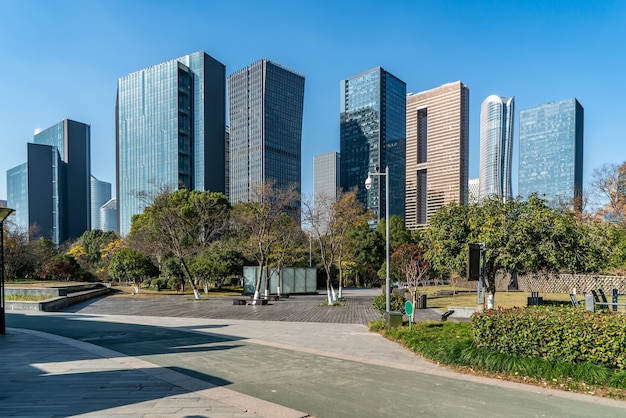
<point>257,288</point>
<point>196,294</point>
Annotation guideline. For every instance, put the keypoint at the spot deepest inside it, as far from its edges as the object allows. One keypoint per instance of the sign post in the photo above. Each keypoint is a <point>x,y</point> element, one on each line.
<point>408,308</point>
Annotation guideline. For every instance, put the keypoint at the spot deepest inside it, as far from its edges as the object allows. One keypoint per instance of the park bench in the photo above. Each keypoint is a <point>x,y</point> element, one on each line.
<point>575,302</point>
<point>238,301</point>
<point>445,316</point>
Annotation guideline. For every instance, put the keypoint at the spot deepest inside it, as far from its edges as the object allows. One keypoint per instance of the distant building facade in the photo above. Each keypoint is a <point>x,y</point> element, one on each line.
<point>551,152</point>
<point>170,122</point>
<point>51,192</point>
<point>108,216</point>
<point>265,105</point>
<point>326,184</point>
<point>496,146</point>
<point>473,191</point>
<point>100,194</point>
<point>373,136</point>
<point>437,151</point>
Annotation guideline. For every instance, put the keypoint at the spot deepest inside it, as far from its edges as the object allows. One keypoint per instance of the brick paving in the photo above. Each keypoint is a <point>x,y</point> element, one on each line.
<point>357,309</point>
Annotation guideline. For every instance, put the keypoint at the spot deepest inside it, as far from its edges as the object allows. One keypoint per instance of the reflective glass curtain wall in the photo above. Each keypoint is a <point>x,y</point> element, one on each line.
<point>169,131</point>
<point>496,146</point>
<point>551,152</point>
<point>373,134</point>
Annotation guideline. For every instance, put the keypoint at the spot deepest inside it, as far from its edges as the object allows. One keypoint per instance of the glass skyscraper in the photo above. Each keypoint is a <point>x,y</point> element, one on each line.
<point>51,192</point>
<point>265,105</point>
<point>170,121</point>
<point>373,135</point>
<point>551,152</point>
<point>100,194</point>
<point>496,146</point>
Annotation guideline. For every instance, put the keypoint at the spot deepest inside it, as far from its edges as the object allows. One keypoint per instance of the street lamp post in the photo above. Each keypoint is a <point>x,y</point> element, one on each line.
<point>368,185</point>
<point>4,213</point>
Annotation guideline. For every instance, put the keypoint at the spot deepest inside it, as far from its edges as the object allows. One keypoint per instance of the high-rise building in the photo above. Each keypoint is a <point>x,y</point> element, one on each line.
<point>108,216</point>
<point>473,191</point>
<point>551,152</point>
<point>100,194</point>
<point>51,192</point>
<point>326,174</point>
<point>169,131</point>
<point>372,137</point>
<point>325,180</point>
<point>437,151</point>
<point>496,146</point>
<point>265,107</point>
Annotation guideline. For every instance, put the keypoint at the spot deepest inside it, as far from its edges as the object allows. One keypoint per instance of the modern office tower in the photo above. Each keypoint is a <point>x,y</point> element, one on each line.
<point>51,191</point>
<point>108,216</point>
<point>325,178</point>
<point>473,190</point>
<point>551,152</point>
<point>437,151</point>
<point>227,157</point>
<point>17,195</point>
<point>100,194</point>
<point>169,131</point>
<point>372,136</point>
<point>326,174</point>
<point>265,106</point>
<point>496,146</point>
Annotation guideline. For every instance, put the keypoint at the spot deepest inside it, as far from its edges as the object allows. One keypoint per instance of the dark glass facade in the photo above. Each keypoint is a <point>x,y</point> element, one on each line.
<point>373,134</point>
<point>169,131</point>
<point>551,151</point>
<point>52,191</point>
<point>266,103</point>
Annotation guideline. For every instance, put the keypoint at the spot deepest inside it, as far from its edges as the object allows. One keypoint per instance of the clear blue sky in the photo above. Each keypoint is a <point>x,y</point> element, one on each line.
<point>61,59</point>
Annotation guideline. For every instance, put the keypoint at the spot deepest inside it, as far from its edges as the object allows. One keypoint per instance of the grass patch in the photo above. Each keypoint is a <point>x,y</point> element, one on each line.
<point>452,344</point>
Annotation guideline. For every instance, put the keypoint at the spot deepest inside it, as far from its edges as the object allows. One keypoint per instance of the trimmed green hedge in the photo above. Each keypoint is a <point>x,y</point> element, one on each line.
<point>554,333</point>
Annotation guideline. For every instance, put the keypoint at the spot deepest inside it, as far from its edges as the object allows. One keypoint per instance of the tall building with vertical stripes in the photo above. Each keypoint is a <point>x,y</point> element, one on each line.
<point>265,108</point>
<point>170,122</point>
<point>437,151</point>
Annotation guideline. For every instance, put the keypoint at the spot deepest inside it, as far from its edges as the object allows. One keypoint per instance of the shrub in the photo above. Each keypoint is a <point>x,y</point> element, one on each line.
<point>554,333</point>
<point>396,303</point>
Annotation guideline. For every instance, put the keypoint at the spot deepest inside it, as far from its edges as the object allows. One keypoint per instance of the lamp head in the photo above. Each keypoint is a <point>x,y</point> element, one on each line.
<point>368,182</point>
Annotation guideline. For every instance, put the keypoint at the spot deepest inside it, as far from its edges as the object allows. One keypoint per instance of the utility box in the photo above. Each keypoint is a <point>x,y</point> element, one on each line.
<point>394,319</point>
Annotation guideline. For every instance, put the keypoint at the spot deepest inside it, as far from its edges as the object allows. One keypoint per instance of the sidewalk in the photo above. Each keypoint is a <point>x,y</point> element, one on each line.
<point>44,375</point>
<point>149,366</point>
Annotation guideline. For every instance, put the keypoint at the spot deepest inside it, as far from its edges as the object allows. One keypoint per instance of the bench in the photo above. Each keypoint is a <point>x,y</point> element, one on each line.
<point>575,302</point>
<point>445,316</point>
<point>240,301</point>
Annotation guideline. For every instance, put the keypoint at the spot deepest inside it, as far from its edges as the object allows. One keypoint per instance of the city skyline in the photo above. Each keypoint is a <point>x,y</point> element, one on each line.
<point>55,74</point>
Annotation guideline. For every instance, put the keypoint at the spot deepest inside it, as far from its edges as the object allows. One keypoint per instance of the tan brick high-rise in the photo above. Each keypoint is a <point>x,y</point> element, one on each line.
<point>437,151</point>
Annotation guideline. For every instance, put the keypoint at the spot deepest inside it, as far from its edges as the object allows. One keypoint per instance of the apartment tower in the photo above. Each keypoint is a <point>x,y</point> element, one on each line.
<point>437,151</point>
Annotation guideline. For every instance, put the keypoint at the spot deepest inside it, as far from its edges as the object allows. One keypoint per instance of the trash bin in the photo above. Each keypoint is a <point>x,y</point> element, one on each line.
<point>394,319</point>
<point>421,302</point>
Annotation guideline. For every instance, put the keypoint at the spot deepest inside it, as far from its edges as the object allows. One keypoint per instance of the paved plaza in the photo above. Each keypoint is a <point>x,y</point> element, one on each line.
<point>175,357</point>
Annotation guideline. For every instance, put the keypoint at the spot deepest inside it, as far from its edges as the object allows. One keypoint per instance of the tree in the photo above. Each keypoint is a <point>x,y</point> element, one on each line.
<point>398,233</point>
<point>329,220</point>
<point>259,223</point>
<point>182,223</point>
<point>608,189</point>
<point>410,260</point>
<point>131,265</point>
<point>366,248</point>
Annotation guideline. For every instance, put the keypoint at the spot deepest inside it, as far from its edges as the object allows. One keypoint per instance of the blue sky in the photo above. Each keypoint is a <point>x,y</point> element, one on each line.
<point>61,59</point>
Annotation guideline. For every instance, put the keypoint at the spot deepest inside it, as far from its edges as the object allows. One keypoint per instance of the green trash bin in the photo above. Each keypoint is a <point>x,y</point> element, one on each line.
<point>394,319</point>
